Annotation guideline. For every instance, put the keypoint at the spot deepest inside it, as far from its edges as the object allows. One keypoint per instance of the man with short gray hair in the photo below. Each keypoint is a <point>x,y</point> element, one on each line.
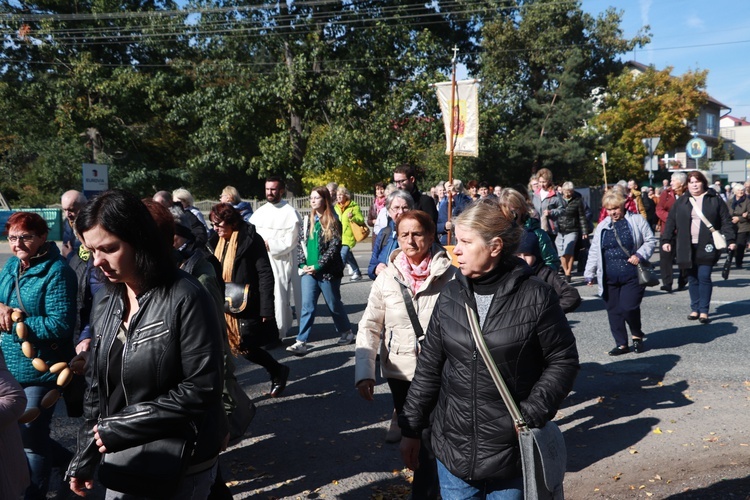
<point>668,196</point>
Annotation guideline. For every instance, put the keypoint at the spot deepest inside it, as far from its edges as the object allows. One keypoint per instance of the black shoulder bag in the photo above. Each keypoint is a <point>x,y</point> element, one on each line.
<point>646,276</point>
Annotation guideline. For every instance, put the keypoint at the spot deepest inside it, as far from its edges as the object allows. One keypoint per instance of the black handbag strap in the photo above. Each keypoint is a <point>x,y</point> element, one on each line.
<point>412,312</point>
<point>619,242</point>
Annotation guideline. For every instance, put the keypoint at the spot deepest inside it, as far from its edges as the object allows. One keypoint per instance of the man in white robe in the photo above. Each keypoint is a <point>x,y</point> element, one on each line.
<point>278,223</point>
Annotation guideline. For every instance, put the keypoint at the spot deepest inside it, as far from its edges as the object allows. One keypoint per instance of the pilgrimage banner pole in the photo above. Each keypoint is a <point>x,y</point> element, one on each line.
<point>452,141</point>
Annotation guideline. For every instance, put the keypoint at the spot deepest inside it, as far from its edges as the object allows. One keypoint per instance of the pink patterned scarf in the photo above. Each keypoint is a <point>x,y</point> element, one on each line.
<point>415,276</point>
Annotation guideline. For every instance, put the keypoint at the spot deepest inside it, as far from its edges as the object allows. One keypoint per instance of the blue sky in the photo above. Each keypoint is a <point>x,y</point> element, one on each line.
<point>690,35</point>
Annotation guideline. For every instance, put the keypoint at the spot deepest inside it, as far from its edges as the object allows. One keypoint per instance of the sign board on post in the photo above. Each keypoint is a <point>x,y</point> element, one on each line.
<point>95,179</point>
<point>651,162</point>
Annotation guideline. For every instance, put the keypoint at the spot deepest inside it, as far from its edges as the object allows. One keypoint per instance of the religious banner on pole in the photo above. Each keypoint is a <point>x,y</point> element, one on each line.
<point>465,116</point>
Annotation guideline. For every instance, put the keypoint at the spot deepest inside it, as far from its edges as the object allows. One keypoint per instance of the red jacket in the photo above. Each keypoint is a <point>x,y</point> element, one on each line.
<point>666,200</point>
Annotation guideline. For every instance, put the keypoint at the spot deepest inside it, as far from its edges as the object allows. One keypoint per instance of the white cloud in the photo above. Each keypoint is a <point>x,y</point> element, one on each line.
<point>694,21</point>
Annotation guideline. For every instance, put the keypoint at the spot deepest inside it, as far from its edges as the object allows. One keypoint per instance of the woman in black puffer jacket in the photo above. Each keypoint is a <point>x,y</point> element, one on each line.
<point>530,340</point>
<point>571,225</point>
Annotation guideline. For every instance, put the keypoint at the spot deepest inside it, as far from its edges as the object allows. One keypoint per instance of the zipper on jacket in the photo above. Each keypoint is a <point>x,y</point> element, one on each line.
<point>106,373</point>
<point>473,412</point>
<point>127,417</point>
<point>136,343</point>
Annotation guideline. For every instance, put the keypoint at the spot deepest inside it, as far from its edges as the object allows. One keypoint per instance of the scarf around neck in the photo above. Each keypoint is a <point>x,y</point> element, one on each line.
<point>344,206</point>
<point>415,276</point>
<point>226,254</point>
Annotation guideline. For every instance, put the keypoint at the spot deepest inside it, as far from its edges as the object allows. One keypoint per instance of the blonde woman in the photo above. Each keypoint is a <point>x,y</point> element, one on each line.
<point>321,269</point>
<point>230,195</point>
<point>473,436</point>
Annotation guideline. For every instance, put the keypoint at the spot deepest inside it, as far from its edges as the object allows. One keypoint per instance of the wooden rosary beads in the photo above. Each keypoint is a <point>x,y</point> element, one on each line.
<point>62,369</point>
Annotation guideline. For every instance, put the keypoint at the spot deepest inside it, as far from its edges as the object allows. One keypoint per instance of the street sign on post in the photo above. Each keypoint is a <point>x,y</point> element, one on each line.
<point>651,162</point>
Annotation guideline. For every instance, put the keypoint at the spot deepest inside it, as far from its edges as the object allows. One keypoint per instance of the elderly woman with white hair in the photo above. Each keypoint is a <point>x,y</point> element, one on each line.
<point>183,196</point>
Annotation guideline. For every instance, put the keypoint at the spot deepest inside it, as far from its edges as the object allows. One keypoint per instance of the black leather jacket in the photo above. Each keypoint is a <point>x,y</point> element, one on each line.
<point>171,375</point>
<point>572,218</point>
<point>533,346</point>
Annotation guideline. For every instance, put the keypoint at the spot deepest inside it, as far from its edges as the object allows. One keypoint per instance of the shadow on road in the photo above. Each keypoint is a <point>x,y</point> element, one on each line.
<point>321,432</point>
<point>695,333</point>
<point>600,416</point>
<point>727,489</point>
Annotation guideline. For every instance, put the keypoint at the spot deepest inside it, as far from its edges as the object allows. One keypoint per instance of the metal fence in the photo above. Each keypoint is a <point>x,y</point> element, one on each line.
<point>301,203</point>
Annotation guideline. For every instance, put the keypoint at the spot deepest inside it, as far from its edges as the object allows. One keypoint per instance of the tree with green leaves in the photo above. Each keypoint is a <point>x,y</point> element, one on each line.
<point>541,63</point>
<point>84,82</point>
<point>652,103</point>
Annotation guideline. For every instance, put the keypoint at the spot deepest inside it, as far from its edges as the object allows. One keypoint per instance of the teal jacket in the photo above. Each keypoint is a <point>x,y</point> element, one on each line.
<point>48,292</point>
<point>546,245</point>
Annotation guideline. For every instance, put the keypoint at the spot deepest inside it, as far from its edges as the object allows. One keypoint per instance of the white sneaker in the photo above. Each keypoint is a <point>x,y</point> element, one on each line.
<point>355,277</point>
<point>393,435</point>
<point>346,338</point>
<point>298,348</point>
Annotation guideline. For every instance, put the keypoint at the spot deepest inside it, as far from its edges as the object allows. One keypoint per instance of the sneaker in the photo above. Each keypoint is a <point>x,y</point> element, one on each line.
<point>355,277</point>
<point>298,348</point>
<point>346,338</point>
<point>393,435</point>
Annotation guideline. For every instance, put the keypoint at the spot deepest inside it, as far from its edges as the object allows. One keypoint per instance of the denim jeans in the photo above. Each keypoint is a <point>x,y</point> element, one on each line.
<point>311,289</point>
<point>193,487</point>
<point>454,488</point>
<point>700,288</point>
<point>36,442</point>
<point>348,257</point>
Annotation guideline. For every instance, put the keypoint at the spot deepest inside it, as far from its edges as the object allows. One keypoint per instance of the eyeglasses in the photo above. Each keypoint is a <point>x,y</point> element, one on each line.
<point>400,181</point>
<point>218,224</point>
<point>21,238</point>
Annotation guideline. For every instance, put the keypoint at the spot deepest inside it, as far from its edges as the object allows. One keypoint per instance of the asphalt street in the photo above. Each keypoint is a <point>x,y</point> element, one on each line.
<point>669,423</point>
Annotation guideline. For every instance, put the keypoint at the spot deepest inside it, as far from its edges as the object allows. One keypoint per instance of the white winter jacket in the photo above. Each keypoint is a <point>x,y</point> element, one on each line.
<point>385,324</point>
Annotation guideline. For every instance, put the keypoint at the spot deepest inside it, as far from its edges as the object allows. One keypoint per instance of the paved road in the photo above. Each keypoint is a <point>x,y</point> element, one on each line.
<point>658,424</point>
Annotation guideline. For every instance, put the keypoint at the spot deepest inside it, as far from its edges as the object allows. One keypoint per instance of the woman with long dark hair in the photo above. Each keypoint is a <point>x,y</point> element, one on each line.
<point>156,357</point>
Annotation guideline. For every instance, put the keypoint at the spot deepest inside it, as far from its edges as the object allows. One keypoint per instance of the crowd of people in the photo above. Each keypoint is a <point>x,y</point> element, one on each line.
<point>151,300</point>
